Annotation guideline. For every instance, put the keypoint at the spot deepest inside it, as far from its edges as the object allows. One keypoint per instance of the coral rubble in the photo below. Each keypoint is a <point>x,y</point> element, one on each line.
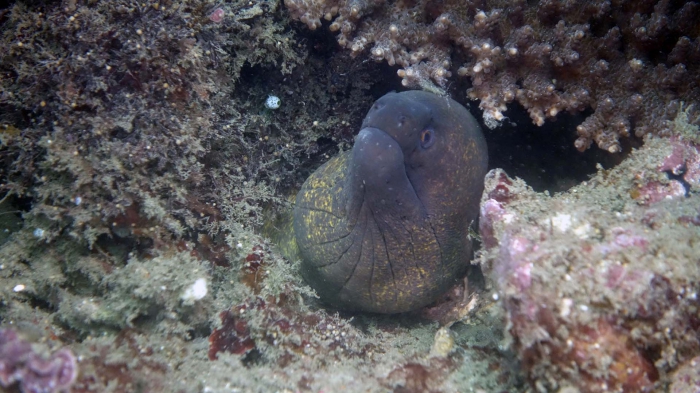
<point>600,284</point>
<point>631,62</point>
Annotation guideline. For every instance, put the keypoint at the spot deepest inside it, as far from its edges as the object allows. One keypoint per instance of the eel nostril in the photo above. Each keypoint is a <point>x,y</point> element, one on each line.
<point>401,120</point>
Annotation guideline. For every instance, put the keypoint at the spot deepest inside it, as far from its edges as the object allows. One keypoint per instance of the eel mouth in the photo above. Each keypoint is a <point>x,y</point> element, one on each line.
<point>377,168</point>
<point>384,214</point>
<point>379,178</point>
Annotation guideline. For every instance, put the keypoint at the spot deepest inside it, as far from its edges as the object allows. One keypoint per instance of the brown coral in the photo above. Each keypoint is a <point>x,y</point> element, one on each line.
<point>630,62</point>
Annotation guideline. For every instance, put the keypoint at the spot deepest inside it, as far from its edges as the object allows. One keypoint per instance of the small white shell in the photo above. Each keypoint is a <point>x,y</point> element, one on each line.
<point>272,102</point>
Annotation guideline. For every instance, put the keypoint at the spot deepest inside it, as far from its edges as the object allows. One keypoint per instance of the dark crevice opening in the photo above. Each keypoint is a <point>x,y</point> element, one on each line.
<point>545,156</point>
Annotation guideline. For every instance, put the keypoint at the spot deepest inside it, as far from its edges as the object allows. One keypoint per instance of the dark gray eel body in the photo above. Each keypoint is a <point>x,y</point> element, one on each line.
<point>383,227</point>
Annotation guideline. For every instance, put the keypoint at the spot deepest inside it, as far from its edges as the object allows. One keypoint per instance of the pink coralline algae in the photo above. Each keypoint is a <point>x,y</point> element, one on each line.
<point>491,211</point>
<point>684,163</point>
<point>517,262</point>
<point>684,160</point>
<point>599,288</point>
<point>217,16</point>
<point>655,191</point>
<point>687,379</point>
<point>21,365</point>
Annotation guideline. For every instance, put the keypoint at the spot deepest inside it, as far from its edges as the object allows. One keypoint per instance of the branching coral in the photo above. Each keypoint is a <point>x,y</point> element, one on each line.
<point>631,62</point>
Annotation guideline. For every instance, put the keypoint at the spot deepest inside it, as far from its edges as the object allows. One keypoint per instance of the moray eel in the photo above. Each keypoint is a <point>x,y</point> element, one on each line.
<point>383,227</point>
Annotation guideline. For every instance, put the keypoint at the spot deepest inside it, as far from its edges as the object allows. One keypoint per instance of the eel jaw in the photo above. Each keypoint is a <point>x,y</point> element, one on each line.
<point>378,177</point>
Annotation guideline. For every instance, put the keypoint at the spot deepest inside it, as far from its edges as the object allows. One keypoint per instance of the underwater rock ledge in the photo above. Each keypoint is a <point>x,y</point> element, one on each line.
<point>600,284</point>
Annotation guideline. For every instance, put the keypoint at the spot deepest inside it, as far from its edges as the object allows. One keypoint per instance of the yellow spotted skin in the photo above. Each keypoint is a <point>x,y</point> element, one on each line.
<point>383,227</point>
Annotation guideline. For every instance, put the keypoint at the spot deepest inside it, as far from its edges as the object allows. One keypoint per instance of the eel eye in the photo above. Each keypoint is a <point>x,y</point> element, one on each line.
<point>427,138</point>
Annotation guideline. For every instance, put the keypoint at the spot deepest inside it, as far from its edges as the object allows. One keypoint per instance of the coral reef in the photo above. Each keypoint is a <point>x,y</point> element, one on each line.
<point>600,284</point>
<point>129,135</point>
<point>20,364</point>
<point>138,160</point>
<point>631,62</point>
<point>116,102</point>
<point>138,156</point>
